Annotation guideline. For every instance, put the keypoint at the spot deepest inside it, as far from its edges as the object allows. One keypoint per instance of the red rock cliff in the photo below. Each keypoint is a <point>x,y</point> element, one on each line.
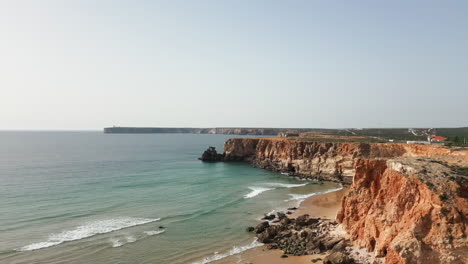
<point>406,204</point>
<point>334,161</point>
<point>408,210</point>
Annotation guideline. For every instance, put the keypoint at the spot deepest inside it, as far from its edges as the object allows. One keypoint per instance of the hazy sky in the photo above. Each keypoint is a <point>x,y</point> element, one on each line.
<point>91,64</point>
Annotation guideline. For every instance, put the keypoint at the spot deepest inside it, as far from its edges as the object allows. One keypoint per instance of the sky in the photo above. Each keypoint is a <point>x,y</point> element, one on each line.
<point>85,65</point>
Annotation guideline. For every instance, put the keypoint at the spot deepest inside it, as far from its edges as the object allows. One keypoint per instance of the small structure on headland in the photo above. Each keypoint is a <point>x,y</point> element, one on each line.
<point>435,139</point>
<point>288,134</point>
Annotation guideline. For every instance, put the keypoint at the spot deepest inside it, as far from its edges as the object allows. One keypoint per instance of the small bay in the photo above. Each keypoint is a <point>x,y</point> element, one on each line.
<point>89,197</point>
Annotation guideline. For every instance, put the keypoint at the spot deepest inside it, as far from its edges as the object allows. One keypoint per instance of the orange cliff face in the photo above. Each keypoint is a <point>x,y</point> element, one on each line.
<point>333,161</point>
<point>406,204</point>
<point>407,210</point>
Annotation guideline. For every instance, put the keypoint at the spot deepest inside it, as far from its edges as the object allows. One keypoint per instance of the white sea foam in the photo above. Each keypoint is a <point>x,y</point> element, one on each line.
<point>233,251</point>
<point>269,213</point>
<point>302,197</point>
<point>88,230</point>
<point>119,243</point>
<point>286,185</point>
<point>256,191</point>
<point>154,232</point>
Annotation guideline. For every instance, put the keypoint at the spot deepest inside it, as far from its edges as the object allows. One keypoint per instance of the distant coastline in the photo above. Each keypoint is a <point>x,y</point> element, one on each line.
<point>451,136</point>
<point>192,130</point>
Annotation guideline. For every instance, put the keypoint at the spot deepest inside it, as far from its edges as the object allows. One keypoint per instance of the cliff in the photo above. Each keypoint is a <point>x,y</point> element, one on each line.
<point>408,210</point>
<point>406,204</point>
<point>333,161</point>
<point>194,130</point>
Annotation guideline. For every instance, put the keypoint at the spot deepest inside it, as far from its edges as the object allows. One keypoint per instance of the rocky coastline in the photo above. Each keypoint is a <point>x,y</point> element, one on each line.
<point>405,204</point>
<point>305,235</point>
<point>329,161</point>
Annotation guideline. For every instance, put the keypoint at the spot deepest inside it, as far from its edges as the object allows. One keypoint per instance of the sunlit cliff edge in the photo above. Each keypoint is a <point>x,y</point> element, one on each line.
<point>406,203</point>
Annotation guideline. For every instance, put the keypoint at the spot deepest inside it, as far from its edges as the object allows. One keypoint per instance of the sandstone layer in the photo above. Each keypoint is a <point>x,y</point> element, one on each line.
<point>333,161</point>
<point>408,210</point>
<point>406,204</point>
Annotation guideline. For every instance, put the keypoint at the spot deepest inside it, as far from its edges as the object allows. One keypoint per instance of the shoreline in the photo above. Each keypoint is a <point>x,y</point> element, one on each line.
<point>323,205</point>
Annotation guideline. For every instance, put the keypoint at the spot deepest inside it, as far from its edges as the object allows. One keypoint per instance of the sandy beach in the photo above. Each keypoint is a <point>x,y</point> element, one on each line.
<point>321,205</point>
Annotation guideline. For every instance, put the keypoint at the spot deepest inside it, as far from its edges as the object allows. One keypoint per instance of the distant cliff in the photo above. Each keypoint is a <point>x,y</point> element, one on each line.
<point>191,130</point>
<point>150,130</point>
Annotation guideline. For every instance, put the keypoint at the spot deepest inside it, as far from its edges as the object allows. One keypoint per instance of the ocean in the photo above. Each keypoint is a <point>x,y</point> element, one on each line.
<point>90,197</point>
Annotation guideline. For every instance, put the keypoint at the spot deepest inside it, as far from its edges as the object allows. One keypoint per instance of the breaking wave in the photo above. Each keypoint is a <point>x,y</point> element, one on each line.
<point>286,185</point>
<point>119,242</point>
<point>88,230</point>
<point>302,197</point>
<point>154,232</point>
<point>233,251</point>
<point>256,191</point>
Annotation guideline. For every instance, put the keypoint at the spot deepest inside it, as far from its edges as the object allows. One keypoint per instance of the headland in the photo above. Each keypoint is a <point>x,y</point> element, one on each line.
<point>401,203</point>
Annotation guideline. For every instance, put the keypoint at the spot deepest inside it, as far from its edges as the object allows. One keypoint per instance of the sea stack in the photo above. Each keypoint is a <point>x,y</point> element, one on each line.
<point>211,155</point>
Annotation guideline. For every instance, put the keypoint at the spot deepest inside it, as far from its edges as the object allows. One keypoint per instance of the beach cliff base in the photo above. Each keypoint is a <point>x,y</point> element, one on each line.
<point>406,203</point>
<point>325,206</point>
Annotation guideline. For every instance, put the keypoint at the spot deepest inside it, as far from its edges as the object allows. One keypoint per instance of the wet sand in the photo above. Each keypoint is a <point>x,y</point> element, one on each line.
<point>322,205</point>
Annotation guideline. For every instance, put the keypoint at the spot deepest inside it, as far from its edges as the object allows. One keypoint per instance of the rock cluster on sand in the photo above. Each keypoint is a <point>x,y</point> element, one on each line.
<point>211,155</point>
<point>269,217</point>
<point>304,236</point>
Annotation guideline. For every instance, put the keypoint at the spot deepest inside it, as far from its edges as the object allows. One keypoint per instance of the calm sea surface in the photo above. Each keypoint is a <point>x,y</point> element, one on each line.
<point>89,197</point>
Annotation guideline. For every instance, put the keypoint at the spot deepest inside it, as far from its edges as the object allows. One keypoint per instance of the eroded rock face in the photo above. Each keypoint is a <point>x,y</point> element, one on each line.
<point>407,210</point>
<point>406,203</point>
<point>332,161</point>
<point>240,149</point>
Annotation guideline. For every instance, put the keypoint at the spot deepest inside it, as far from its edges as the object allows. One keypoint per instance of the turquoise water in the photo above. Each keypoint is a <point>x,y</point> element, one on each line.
<point>89,197</point>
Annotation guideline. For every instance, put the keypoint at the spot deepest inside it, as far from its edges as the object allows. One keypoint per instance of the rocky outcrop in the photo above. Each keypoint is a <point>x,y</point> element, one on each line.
<point>408,210</point>
<point>211,155</point>
<point>332,161</point>
<point>338,257</point>
<point>302,236</point>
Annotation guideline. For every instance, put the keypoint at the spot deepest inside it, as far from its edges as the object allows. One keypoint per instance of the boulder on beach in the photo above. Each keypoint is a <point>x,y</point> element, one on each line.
<point>269,217</point>
<point>261,227</point>
<point>338,258</point>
